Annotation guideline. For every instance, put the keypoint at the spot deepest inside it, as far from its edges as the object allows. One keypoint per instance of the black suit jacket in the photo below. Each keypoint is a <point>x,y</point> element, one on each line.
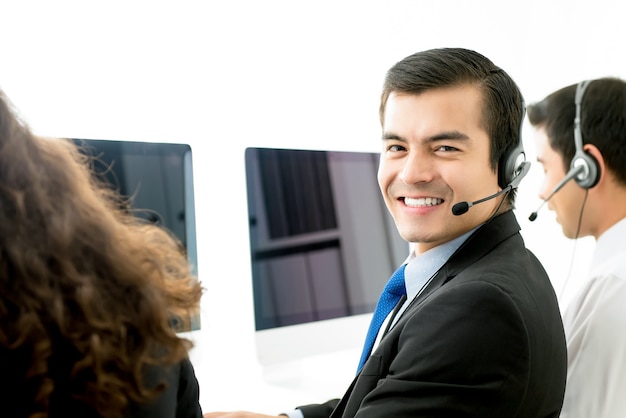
<point>484,339</point>
<point>180,399</point>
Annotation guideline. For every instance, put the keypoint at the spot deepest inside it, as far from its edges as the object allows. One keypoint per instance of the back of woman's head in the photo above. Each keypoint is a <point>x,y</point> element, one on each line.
<point>87,290</point>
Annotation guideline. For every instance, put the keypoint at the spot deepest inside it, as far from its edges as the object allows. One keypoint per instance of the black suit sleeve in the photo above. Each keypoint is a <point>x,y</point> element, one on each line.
<point>319,410</point>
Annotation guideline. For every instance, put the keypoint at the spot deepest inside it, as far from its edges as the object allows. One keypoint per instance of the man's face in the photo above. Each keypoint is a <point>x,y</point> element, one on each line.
<point>567,202</point>
<point>435,154</point>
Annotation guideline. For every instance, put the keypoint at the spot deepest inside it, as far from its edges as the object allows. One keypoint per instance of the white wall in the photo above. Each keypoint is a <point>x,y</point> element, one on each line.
<point>224,75</point>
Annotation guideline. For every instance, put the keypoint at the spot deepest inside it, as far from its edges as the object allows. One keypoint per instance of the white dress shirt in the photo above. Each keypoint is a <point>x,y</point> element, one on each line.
<point>595,329</point>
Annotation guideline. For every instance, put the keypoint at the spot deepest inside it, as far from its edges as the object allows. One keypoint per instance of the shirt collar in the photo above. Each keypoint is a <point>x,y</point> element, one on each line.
<point>422,267</point>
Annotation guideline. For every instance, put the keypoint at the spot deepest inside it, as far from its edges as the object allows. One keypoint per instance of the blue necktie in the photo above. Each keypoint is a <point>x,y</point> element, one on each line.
<point>393,291</point>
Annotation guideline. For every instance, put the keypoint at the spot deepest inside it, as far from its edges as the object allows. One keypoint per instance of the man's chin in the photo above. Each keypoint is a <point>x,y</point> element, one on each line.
<point>568,233</point>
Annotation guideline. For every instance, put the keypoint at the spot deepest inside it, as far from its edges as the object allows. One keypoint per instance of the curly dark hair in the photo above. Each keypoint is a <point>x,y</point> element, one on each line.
<point>87,290</point>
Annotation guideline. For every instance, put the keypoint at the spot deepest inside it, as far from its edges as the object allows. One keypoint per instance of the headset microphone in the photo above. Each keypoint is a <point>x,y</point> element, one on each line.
<point>512,168</point>
<point>574,171</point>
<point>462,207</point>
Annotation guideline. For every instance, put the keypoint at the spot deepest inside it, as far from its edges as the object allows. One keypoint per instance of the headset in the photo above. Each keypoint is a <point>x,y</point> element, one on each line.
<point>588,176</point>
<point>512,168</point>
<point>584,168</point>
<point>513,165</point>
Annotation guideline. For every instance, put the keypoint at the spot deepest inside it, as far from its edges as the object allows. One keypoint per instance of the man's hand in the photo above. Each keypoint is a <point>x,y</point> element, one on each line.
<point>237,414</point>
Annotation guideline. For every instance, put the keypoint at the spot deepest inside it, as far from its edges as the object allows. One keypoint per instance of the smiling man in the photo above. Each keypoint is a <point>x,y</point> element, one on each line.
<point>477,331</point>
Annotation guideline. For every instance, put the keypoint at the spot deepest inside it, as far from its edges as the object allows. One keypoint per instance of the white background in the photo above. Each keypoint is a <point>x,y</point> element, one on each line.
<point>225,75</point>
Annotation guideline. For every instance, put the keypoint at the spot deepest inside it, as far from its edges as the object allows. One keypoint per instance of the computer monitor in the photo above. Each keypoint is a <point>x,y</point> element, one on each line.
<point>322,246</point>
<point>158,180</point>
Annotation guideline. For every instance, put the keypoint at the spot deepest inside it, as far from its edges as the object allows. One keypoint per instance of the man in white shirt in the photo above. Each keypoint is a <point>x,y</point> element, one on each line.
<point>580,136</point>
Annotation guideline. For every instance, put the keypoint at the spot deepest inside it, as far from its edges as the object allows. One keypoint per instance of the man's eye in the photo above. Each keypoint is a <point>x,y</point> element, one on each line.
<point>446,148</point>
<point>395,148</point>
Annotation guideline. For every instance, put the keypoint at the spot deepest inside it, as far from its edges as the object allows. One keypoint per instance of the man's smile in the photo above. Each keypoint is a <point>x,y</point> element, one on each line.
<point>422,201</point>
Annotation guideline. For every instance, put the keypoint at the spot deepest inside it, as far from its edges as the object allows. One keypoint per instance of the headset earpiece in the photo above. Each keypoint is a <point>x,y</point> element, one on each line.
<point>513,166</point>
<point>589,176</point>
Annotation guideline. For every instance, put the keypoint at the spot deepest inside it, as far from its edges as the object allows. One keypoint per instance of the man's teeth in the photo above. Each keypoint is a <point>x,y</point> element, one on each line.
<point>422,201</point>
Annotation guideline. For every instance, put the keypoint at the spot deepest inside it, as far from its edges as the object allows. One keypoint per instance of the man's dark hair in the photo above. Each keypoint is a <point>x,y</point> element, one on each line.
<point>603,121</point>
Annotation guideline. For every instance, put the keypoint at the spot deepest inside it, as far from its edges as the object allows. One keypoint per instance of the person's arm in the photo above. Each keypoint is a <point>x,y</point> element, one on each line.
<point>238,414</point>
<point>317,410</point>
<point>309,411</point>
<point>296,413</point>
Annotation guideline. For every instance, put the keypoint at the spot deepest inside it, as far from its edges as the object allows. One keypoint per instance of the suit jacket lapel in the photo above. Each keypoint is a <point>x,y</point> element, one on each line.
<point>476,246</point>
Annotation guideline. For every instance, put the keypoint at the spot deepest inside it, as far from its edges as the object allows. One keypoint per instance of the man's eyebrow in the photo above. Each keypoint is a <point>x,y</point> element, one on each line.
<point>454,135</point>
<point>390,136</point>
<point>443,136</point>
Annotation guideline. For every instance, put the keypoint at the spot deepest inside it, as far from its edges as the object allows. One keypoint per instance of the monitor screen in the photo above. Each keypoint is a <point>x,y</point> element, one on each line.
<point>158,180</point>
<point>322,246</point>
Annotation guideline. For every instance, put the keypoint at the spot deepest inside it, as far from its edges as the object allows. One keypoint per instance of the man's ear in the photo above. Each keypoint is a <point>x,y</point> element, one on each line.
<point>595,153</point>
